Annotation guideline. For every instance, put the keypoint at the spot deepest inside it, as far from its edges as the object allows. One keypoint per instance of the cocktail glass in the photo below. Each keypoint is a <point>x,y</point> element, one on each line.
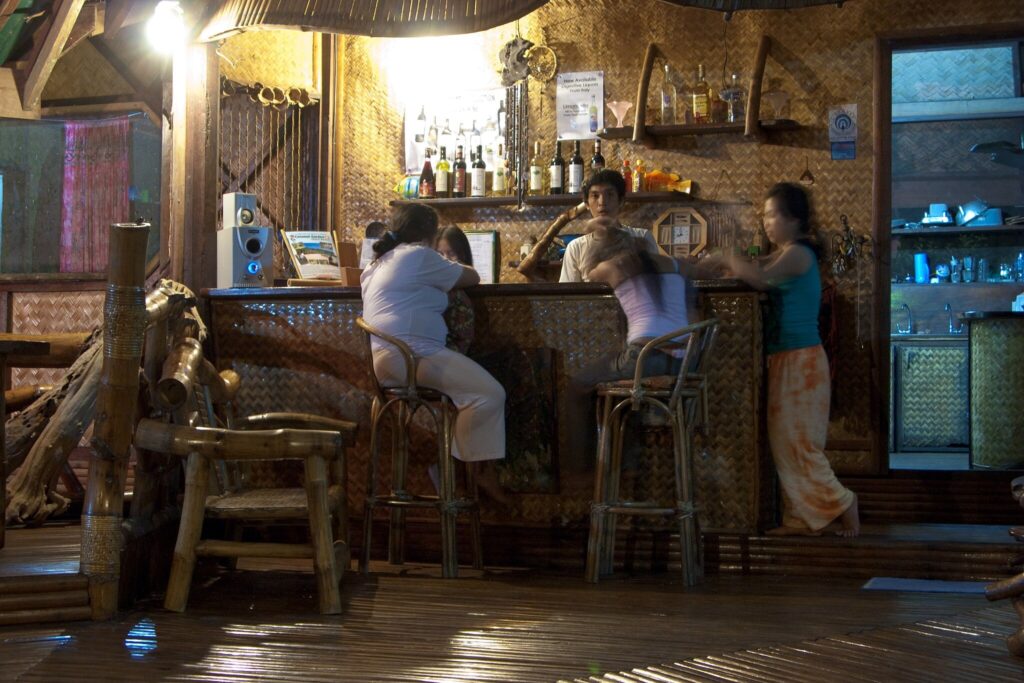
<point>619,108</point>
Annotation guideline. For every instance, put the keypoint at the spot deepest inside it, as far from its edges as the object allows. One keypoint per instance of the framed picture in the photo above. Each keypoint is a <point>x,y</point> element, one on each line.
<point>483,244</point>
<point>314,254</point>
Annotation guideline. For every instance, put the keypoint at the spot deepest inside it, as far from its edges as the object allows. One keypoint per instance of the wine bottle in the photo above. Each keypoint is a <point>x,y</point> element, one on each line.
<point>701,98</point>
<point>427,179</point>
<point>556,170</point>
<point>478,176</point>
<point>432,134</point>
<point>596,161</point>
<point>459,184</point>
<point>575,169</point>
<point>536,171</point>
<point>441,188</point>
<point>421,124</point>
<point>500,183</point>
<point>502,118</point>
<point>593,113</point>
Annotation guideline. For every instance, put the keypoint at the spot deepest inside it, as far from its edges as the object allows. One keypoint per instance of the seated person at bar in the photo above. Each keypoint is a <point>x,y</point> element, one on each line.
<point>405,293</point>
<point>603,194</point>
<point>459,316</point>
<point>799,385</point>
<point>653,295</point>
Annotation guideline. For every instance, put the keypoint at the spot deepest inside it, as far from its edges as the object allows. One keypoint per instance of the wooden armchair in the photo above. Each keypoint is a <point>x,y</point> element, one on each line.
<point>228,445</point>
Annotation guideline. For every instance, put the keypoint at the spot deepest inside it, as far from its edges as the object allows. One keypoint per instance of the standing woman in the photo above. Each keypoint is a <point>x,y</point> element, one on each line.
<point>405,294</point>
<point>798,375</point>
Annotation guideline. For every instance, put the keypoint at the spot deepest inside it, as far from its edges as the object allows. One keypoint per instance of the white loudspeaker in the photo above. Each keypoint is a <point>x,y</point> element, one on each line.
<point>245,251</point>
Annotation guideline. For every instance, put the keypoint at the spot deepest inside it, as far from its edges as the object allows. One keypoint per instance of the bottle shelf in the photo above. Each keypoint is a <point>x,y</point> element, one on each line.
<point>548,200</point>
<point>681,129</point>
<point>957,230</point>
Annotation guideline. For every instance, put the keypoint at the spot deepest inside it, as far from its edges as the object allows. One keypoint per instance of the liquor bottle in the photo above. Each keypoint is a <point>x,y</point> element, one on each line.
<point>596,161</point>
<point>701,104</point>
<point>441,188</point>
<point>474,137</point>
<point>427,179</point>
<point>737,100</point>
<point>501,118</point>
<point>593,113</point>
<point>719,106</point>
<point>668,98</point>
<point>421,124</point>
<point>627,175</point>
<point>536,171</point>
<point>556,170</point>
<point>459,184</point>
<point>478,176</point>
<point>638,176</point>
<point>575,170</point>
<point>499,184</point>
<point>432,134</point>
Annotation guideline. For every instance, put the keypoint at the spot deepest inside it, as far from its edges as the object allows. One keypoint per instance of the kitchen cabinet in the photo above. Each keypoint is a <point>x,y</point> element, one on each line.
<point>930,399</point>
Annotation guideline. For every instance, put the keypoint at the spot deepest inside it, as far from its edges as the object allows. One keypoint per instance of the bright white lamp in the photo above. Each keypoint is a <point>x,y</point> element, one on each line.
<point>166,28</point>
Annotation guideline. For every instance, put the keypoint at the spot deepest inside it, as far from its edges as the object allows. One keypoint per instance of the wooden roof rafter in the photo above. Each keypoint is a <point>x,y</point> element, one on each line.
<point>52,36</point>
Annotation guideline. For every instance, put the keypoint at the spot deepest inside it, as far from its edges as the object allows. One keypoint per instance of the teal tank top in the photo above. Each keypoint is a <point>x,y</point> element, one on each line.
<point>793,316</point>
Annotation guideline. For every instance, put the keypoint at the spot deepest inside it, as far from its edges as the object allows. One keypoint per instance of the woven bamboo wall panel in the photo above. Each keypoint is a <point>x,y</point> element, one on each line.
<point>40,312</point>
<point>84,73</point>
<point>933,396</point>
<point>282,59</point>
<point>309,356</point>
<point>997,392</point>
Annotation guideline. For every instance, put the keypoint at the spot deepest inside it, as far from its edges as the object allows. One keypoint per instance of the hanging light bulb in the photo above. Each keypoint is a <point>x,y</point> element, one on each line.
<point>166,28</point>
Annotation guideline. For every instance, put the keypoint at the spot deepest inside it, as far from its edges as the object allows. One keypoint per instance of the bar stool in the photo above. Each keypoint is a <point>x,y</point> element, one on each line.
<point>401,403</point>
<point>680,398</point>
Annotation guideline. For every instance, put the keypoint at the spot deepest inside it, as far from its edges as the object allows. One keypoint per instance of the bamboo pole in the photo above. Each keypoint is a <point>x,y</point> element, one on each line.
<point>640,110</point>
<point>179,372</point>
<point>270,444</point>
<point>124,323</point>
<point>64,349</point>
<point>753,122</point>
<point>528,264</point>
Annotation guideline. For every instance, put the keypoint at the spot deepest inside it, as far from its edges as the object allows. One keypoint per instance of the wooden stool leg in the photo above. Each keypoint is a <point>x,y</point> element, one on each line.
<point>340,530</point>
<point>399,465</point>
<point>446,504</point>
<point>197,474</point>
<point>473,492</point>
<point>371,483</point>
<point>320,533</point>
<point>616,433</point>
<point>689,540</point>
<point>597,507</point>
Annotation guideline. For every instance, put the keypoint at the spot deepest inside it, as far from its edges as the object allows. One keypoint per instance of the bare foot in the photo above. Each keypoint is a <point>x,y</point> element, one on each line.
<point>851,520</point>
<point>791,531</point>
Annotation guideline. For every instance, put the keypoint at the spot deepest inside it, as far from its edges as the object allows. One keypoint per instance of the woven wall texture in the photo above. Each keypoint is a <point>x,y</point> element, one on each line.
<point>822,56</point>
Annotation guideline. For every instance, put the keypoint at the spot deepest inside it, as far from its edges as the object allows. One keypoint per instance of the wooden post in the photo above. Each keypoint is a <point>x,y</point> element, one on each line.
<point>124,324</point>
<point>202,126</point>
<point>640,112</point>
<point>753,122</point>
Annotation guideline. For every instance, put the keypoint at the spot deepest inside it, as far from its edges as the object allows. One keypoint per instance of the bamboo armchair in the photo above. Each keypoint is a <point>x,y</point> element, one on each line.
<point>316,441</point>
<point>682,400</point>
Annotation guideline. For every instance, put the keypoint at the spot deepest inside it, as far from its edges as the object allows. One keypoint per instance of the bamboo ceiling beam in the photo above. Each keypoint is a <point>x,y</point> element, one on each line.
<point>93,106</point>
<point>90,23</point>
<point>55,32</point>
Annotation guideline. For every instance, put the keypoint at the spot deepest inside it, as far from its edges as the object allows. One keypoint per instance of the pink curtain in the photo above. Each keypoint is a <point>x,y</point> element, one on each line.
<point>96,179</point>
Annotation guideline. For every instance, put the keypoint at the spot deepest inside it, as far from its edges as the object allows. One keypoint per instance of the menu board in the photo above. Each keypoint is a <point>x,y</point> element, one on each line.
<point>483,244</point>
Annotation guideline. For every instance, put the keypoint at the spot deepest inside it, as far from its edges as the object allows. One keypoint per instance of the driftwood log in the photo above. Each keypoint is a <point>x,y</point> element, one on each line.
<point>40,438</point>
<point>529,264</point>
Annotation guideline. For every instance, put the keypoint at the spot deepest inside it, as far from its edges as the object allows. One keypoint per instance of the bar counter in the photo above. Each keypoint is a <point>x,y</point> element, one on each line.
<point>298,348</point>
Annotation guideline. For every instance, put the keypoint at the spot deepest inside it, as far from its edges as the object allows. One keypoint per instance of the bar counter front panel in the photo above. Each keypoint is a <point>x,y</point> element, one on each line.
<point>299,349</point>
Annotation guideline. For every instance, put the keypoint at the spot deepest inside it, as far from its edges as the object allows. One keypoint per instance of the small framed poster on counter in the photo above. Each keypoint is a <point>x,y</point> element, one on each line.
<point>314,254</point>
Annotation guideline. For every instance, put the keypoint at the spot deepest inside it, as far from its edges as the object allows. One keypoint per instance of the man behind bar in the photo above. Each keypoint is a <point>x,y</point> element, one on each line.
<point>603,194</point>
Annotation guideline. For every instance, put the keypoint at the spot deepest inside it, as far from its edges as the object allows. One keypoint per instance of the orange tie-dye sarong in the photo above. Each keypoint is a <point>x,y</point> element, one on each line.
<point>798,402</point>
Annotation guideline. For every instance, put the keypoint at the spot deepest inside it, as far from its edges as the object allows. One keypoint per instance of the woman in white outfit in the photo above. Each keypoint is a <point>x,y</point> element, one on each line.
<point>405,294</point>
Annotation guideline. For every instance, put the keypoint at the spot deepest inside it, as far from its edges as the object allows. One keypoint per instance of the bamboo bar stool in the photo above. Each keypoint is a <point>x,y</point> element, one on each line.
<point>401,403</point>
<point>680,398</point>
<point>316,441</point>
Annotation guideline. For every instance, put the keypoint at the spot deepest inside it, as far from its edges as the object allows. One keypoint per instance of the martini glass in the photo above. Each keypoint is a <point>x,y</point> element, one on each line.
<point>619,108</point>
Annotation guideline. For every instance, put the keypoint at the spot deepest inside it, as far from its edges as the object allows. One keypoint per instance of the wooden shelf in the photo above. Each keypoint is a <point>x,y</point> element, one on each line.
<point>548,200</point>
<point>957,230</point>
<point>681,129</point>
<point>467,202</point>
